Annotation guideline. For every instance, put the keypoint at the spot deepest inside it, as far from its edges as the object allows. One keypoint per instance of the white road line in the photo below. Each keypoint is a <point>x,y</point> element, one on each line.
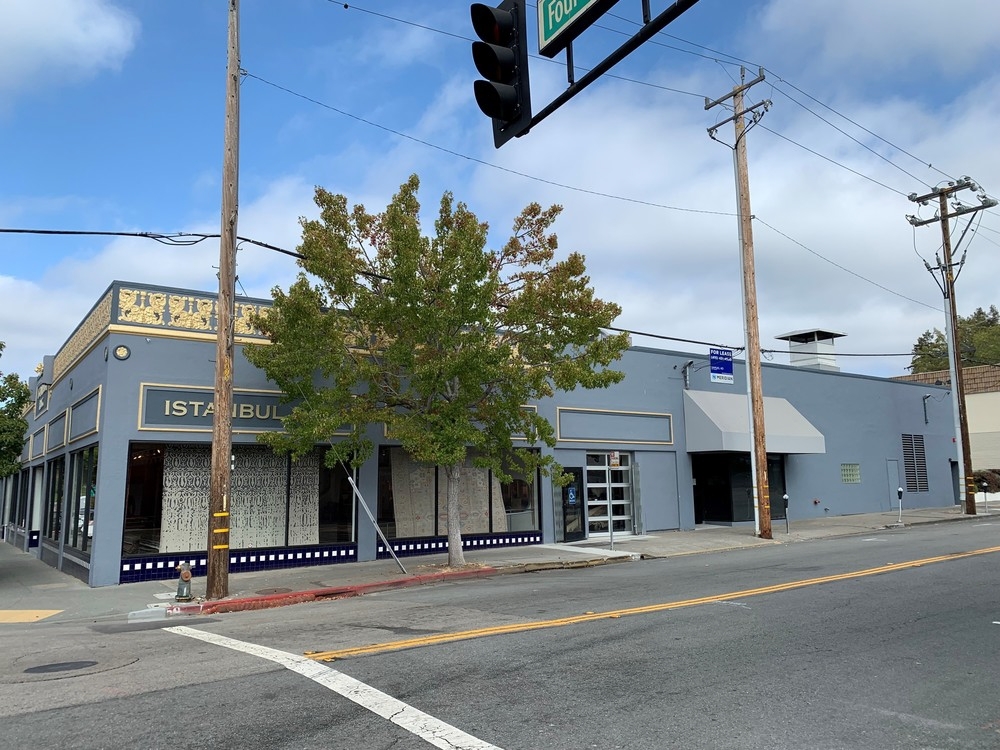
<point>426,727</point>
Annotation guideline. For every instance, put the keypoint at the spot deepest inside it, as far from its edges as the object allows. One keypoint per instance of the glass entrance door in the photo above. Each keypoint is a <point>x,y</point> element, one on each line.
<point>609,494</point>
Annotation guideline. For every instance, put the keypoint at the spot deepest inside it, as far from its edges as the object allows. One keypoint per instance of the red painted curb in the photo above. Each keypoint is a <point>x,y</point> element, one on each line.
<point>267,601</point>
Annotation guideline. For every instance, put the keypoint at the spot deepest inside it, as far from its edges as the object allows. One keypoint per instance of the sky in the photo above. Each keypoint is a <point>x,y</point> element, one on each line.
<point>112,120</point>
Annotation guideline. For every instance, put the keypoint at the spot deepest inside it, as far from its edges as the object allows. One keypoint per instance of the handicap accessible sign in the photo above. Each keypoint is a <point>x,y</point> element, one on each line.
<point>721,361</point>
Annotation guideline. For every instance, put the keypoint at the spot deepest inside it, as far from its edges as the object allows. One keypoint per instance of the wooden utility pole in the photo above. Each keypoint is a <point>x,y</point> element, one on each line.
<point>966,482</point>
<point>217,586</point>
<point>758,453</point>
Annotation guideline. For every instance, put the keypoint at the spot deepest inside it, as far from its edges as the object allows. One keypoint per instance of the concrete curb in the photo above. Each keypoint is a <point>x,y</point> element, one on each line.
<point>269,601</point>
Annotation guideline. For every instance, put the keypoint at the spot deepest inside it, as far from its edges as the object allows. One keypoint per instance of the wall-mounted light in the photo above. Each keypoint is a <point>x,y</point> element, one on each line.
<point>926,396</point>
<point>685,371</point>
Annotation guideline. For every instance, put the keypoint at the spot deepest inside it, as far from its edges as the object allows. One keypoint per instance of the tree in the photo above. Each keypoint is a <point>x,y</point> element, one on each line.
<point>14,396</point>
<point>979,339</point>
<point>438,338</point>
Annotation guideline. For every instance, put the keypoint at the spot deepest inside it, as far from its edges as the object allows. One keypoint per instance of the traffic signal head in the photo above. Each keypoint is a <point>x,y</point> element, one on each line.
<point>502,59</point>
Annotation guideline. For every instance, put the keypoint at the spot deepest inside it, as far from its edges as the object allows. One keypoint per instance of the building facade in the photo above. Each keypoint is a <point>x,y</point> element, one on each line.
<point>115,480</point>
<point>982,409</point>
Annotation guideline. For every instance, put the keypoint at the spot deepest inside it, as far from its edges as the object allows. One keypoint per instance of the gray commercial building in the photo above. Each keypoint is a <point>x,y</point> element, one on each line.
<point>115,479</point>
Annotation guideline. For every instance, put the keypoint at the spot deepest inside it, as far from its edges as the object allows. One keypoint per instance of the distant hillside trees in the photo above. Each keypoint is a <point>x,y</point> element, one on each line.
<point>979,338</point>
<point>14,396</point>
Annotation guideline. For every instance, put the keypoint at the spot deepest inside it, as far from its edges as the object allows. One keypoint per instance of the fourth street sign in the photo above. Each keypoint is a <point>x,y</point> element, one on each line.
<point>562,21</point>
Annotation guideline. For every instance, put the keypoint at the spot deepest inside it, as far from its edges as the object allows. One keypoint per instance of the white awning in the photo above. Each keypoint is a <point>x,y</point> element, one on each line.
<point>715,421</point>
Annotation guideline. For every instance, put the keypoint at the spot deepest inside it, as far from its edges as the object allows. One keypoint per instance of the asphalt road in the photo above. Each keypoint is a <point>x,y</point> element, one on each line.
<point>841,643</point>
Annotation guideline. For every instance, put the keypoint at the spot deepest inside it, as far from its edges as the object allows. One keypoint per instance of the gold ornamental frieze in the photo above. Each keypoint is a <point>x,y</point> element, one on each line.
<point>191,313</point>
<point>90,329</point>
<point>141,306</point>
<point>183,312</point>
<point>243,315</point>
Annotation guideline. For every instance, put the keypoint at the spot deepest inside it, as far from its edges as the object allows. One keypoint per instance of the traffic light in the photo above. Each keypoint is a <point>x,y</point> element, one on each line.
<point>502,59</point>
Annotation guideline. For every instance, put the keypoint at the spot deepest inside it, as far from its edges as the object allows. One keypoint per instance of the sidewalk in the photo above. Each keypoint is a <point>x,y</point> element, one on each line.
<point>32,591</point>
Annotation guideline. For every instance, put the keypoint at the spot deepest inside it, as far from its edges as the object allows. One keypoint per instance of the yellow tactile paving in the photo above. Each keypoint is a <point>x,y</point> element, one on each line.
<point>26,615</point>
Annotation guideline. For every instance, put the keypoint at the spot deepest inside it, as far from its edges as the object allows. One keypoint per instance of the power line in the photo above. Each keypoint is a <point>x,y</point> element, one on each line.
<point>197,237</point>
<point>900,149</point>
<point>833,161</point>
<point>737,61</point>
<point>865,146</point>
<point>847,354</point>
<point>571,187</point>
<point>843,268</point>
<point>173,238</point>
<point>182,239</point>
<point>674,338</point>
<point>547,60</point>
<point>483,162</point>
<point>715,59</point>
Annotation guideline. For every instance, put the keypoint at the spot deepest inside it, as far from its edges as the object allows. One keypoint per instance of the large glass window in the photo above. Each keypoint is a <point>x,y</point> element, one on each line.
<point>23,488</point>
<point>322,499</point>
<point>54,498</point>
<point>143,499</point>
<point>520,501</point>
<point>79,526</point>
<point>412,498</point>
<point>336,506</point>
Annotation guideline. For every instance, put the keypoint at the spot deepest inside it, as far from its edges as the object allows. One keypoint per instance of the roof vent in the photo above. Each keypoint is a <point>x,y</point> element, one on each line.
<point>812,348</point>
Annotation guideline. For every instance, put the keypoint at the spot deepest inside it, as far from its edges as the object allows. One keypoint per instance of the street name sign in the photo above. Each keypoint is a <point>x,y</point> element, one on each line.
<point>562,21</point>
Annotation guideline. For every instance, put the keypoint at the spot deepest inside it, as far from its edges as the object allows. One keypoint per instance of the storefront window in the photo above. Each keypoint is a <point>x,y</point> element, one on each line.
<point>520,501</point>
<point>143,499</point>
<point>413,499</point>
<point>54,498</point>
<point>79,527</point>
<point>23,487</point>
<point>15,500</point>
<point>317,502</point>
<point>336,506</point>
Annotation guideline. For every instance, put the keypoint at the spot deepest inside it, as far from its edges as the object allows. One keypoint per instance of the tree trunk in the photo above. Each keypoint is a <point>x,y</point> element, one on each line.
<point>456,556</point>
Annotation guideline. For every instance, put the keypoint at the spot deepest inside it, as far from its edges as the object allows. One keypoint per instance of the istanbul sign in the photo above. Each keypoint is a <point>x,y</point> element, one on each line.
<point>192,409</point>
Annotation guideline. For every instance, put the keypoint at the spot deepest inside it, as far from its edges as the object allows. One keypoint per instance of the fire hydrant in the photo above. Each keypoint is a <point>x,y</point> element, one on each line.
<point>184,583</point>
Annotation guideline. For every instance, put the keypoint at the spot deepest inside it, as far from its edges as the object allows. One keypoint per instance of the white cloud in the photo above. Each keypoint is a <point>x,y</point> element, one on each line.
<point>924,79</point>
<point>50,41</point>
<point>880,39</point>
<point>847,262</point>
<point>71,287</point>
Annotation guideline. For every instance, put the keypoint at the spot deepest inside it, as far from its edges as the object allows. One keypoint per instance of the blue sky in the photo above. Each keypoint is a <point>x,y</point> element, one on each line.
<point>111,119</point>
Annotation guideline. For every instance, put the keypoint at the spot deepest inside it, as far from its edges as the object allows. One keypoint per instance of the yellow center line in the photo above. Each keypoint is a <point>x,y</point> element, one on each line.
<point>522,627</point>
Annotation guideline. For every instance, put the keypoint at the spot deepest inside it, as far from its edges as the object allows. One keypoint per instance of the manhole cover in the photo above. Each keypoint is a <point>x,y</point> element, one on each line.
<point>265,592</point>
<point>62,666</point>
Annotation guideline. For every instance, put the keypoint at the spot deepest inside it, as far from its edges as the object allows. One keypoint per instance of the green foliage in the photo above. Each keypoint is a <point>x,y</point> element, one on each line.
<point>991,477</point>
<point>438,338</point>
<point>14,396</point>
<point>979,341</point>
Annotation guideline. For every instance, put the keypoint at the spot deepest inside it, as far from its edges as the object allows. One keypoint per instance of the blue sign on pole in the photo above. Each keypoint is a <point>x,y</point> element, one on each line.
<point>721,361</point>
